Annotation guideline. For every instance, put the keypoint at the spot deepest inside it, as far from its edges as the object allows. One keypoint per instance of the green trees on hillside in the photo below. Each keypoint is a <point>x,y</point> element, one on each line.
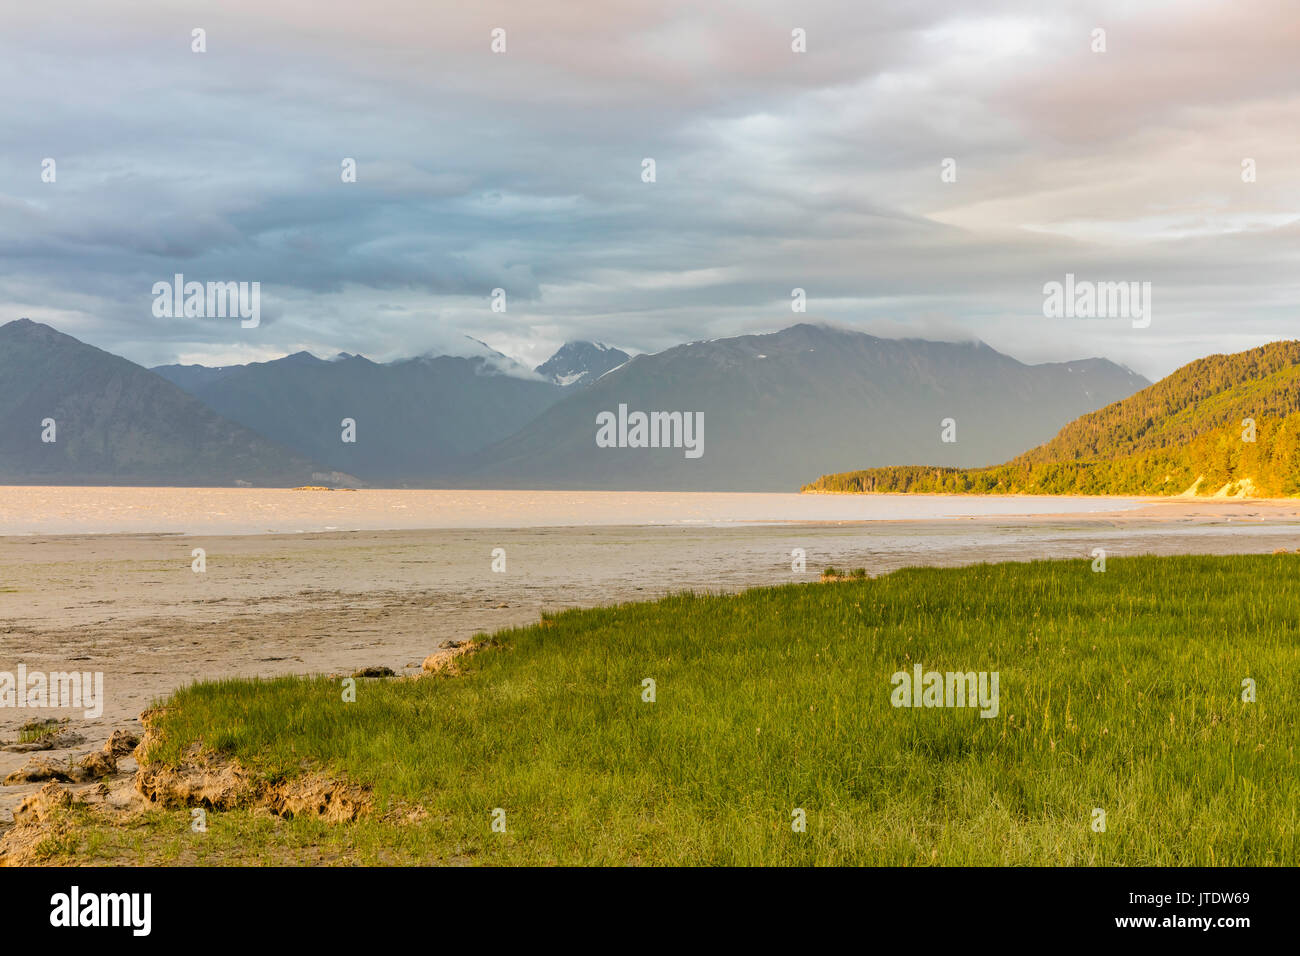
<point>1160,441</point>
<point>1208,393</point>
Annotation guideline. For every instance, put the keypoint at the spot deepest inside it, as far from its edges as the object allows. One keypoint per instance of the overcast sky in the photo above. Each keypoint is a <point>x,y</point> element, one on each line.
<point>774,170</point>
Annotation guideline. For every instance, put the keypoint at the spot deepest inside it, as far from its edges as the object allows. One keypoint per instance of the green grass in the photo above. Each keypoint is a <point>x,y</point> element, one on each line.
<point>35,730</point>
<point>1119,690</point>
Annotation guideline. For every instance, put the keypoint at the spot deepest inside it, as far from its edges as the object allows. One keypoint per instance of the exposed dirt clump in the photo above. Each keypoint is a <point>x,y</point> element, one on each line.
<point>219,783</point>
<point>122,743</point>
<point>41,769</point>
<point>375,671</point>
<point>447,660</point>
<point>46,734</point>
<point>21,845</point>
<point>100,763</point>
<point>209,783</point>
<point>90,766</point>
<point>318,796</point>
<point>40,806</point>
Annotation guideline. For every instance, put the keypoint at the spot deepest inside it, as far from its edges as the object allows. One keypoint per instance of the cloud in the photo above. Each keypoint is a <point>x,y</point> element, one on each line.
<point>775,170</point>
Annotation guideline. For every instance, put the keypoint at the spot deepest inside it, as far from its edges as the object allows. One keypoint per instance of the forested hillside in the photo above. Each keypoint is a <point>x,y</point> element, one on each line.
<point>1191,431</point>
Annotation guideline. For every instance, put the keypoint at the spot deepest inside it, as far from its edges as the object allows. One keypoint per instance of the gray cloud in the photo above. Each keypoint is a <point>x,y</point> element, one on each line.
<point>775,170</point>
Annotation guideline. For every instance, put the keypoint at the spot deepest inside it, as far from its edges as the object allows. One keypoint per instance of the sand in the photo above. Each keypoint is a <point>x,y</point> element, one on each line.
<point>131,606</point>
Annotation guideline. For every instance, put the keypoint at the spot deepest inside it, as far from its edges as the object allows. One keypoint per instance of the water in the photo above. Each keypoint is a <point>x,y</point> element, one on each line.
<point>60,510</point>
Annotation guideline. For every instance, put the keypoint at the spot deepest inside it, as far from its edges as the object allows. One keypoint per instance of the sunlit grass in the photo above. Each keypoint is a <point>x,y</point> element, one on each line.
<point>1119,690</point>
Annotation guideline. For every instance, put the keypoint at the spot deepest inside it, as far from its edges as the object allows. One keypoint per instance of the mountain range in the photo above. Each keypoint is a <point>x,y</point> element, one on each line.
<point>773,408</point>
<point>413,418</point>
<point>773,404</point>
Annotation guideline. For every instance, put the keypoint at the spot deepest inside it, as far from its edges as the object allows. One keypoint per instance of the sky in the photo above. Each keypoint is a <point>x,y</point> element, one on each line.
<point>523,170</point>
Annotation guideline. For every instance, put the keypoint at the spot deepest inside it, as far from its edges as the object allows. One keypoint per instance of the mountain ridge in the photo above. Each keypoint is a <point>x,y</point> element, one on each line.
<point>115,421</point>
<point>803,392</point>
<point>413,417</point>
<point>579,363</point>
<point>768,405</point>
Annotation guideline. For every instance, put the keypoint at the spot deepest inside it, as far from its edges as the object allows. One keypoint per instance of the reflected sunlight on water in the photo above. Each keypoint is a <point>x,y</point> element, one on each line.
<point>102,510</point>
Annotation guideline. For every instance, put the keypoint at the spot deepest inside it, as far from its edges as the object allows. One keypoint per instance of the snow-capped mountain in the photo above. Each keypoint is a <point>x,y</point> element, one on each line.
<point>581,363</point>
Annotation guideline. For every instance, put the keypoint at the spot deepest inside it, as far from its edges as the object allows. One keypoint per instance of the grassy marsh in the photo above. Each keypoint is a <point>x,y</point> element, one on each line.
<point>1119,690</point>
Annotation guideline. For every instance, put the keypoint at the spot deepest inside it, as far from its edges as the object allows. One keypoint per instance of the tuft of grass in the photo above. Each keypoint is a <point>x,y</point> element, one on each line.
<point>37,730</point>
<point>1119,690</point>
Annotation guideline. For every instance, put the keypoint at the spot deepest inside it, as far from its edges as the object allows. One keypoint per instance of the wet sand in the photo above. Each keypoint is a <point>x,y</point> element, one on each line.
<point>130,605</point>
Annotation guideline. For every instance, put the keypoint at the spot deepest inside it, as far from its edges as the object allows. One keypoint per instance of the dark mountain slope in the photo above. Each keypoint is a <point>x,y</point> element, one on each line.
<point>117,422</point>
<point>414,417</point>
<point>777,407</point>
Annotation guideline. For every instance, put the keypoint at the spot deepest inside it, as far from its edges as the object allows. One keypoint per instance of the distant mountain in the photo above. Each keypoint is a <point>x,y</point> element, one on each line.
<point>1223,425</point>
<point>774,408</point>
<point>190,377</point>
<point>808,399</point>
<point>194,377</point>
<point>581,363</point>
<point>413,418</point>
<point>115,422</point>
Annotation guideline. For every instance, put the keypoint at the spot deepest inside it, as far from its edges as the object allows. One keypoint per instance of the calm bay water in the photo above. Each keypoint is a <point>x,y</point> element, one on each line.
<point>57,510</point>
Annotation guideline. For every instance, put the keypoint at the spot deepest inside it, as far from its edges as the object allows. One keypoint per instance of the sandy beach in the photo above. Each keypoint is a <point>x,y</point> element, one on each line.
<point>131,606</point>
